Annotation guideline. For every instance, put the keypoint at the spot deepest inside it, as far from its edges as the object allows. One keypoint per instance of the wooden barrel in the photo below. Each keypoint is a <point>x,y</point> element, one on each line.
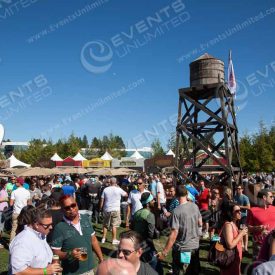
<point>206,70</point>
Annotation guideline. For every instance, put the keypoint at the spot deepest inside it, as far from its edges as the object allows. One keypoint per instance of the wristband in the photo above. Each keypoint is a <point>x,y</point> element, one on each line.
<point>45,271</point>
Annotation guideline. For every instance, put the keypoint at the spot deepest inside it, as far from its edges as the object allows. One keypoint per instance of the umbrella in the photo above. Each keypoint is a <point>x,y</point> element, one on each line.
<point>2,175</point>
<point>36,171</point>
<point>108,172</point>
<point>17,171</point>
<point>71,170</point>
<point>126,170</point>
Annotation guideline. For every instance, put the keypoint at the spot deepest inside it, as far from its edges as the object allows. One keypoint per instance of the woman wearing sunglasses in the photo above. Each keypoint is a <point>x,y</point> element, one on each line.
<point>232,237</point>
<point>29,251</point>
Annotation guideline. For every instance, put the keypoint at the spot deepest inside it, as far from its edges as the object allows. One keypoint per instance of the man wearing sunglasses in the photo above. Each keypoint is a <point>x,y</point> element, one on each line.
<point>130,249</point>
<point>243,202</point>
<point>74,232</point>
<point>133,201</point>
<point>261,219</point>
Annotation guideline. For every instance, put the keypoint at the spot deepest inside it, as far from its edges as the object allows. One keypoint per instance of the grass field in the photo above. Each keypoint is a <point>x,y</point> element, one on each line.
<point>108,250</point>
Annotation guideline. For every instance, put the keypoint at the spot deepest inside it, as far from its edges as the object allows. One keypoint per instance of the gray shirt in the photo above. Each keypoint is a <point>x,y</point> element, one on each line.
<point>185,219</point>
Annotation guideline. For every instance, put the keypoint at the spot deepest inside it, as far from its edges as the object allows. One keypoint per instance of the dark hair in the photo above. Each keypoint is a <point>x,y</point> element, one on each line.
<point>181,191</point>
<point>227,211</point>
<point>26,217</point>
<point>48,203</point>
<point>134,236</point>
<point>63,198</point>
<point>29,215</point>
<point>144,197</point>
<point>263,193</point>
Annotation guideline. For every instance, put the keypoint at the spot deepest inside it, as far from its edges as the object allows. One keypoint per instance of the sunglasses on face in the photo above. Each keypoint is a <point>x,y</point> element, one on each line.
<point>125,252</point>
<point>238,211</point>
<point>139,183</point>
<point>67,208</point>
<point>46,226</point>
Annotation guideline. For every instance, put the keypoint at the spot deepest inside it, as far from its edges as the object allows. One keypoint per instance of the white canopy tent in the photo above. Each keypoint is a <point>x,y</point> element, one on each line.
<point>14,162</point>
<point>107,156</point>
<point>79,157</point>
<point>137,155</point>
<point>170,153</point>
<point>56,157</point>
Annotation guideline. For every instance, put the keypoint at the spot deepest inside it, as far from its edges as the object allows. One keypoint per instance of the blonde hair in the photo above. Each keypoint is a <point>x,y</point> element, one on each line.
<point>228,192</point>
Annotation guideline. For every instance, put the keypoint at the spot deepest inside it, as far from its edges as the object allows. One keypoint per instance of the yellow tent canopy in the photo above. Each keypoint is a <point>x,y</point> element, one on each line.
<point>97,162</point>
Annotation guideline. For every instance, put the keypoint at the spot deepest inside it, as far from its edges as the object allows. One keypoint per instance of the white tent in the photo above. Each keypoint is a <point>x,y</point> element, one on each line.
<point>106,156</point>
<point>14,162</point>
<point>137,155</point>
<point>56,157</point>
<point>170,153</point>
<point>78,157</point>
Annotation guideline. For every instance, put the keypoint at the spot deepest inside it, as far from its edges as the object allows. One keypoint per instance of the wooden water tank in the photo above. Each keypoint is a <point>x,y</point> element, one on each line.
<point>206,70</point>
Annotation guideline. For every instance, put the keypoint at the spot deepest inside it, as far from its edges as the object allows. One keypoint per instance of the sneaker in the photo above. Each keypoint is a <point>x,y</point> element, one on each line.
<point>115,242</point>
<point>1,246</point>
<point>103,240</point>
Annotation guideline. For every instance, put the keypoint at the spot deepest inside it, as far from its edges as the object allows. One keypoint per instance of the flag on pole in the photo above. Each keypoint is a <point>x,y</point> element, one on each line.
<point>231,76</point>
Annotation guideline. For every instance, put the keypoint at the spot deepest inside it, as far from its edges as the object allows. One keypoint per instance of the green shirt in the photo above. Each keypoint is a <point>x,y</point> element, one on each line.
<point>66,237</point>
<point>9,187</point>
<point>144,223</point>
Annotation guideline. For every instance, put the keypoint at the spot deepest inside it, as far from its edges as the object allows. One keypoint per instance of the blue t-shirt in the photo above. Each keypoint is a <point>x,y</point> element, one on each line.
<point>25,185</point>
<point>242,200</point>
<point>153,188</point>
<point>194,192</point>
<point>68,190</point>
<point>174,203</point>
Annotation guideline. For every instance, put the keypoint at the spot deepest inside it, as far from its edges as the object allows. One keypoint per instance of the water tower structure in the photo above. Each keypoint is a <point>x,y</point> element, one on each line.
<point>207,133</point>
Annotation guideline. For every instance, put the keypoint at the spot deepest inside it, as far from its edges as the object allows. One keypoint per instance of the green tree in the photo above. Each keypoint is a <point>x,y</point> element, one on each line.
<point>85,143</point>
<point>157,148</point>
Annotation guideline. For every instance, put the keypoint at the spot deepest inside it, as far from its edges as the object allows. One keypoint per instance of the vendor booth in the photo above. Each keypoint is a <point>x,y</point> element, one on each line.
<point>97,163</point>
<point>69,161</point>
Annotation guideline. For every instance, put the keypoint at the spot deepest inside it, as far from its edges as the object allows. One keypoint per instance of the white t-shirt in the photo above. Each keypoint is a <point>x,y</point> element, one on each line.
<point>134,200</point>
<point>20,197</point>
<point>160,190</point>
<point>112,196</point>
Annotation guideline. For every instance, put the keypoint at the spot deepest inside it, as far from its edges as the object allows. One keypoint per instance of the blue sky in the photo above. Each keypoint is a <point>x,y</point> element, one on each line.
<point>96,67</point>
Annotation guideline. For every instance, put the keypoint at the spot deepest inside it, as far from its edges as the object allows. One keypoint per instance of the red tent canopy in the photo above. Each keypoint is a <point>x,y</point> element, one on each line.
<point>69,161</point>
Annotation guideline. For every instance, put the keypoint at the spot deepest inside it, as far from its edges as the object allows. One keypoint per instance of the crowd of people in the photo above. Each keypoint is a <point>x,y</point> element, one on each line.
<point>51,223</point>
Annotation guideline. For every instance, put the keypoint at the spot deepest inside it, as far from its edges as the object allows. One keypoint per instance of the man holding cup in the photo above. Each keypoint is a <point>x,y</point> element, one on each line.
<point>71,239</point>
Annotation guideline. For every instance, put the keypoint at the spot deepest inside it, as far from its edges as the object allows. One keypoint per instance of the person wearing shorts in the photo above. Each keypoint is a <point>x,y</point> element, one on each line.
<point>110,202</point>
<point>111,219</point>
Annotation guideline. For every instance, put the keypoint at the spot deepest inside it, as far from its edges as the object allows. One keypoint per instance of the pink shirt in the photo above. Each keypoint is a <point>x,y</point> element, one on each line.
<point>3,195</point>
